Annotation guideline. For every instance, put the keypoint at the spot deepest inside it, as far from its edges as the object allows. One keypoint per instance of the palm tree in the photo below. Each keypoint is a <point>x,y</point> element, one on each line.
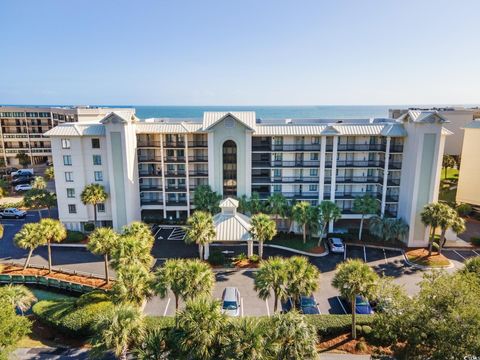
<point>133,285</point>
<point>39,199</point>
<point>328,211</point>
<point>291,337</point>
<point>201,230</point>
<point>200,331</point>
<point>52,231</point>
<point>255,205</point>
<point>49,173</point>
<point>364,205</point>
<point>301,215</point>
<point>205,199</point>
<point>387,229</point>
<point>243,205</point>
<point>352,278</point>
<point>399,229</point>
<point>118,330</point>
<point>102,241</point>
<point>94,194</point>
<point>449,219</point>
<point>448,161</point>
<point>19,296</point>
<point>302,277</point>
<point>431,215</point>
<point>249,342</point>
<point>4,186</point>
<point>200,279</point>
<point>271,277</point>
<point>262,229</point>
<point>29,237</point>
<point>277,205</point>
<point>39,183</point>
<point>140,231</point>
<point>130,251</point>
<point>154,345</point>
<point>171,276</point>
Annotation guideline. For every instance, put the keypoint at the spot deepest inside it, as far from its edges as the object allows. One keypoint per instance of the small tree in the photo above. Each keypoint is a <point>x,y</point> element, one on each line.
<point>94,194</point>
<point>49,173</point>
<point>353,278</point>
<point>277,205</point>
<point>52,231</point>
<point>262,229</point>
<point>447,162</point>
<point>200,230</point>
<point>431,216</point>
<point>449,220</point>
<point>255,205</point>
<point>40,199</point>
<point>131,250</point>
<point>205,199</point>
<point>29,237</point>
<point>133,285</point>
<point>328,211</point>
<point>271,277</point>
<point>39,183</point>
<point>364,205</point>
<point>387,229</point>
<point>140,231</point>
<point>4,186</point>
<point>118,330</point>
<point>13,327</point>
<point>19,296</point>
<point>102,241</point>
<point>301,215</point>
<point>23,159</point>
<point>302,277</point>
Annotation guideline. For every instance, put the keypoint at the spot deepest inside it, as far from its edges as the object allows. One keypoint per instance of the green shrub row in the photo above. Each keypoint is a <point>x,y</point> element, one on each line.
<point>18,204</point>
<point>332,325</point>
<point>74,236</point>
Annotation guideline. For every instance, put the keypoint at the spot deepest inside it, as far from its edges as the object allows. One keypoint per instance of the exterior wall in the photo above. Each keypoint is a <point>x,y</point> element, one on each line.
<point>469,178</point>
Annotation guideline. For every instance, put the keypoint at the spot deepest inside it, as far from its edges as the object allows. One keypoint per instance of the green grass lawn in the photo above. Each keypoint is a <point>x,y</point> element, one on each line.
<point>447,195</point>
<point>294,242</point>
<point>451,174</point>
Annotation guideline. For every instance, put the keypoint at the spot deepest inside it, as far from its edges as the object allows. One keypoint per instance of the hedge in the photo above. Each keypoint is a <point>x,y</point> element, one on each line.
<point>333,325</point>
<point>74,236</point>
<point>74,317</point>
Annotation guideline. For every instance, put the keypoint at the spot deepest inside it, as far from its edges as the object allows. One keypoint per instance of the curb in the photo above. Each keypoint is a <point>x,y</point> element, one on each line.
<point>422,267</point>
<point>69,245</point>
<point>297,251</point>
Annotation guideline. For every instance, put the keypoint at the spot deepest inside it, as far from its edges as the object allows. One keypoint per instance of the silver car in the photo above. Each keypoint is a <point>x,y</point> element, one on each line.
<point>336,245</point>
<point>231,301</point>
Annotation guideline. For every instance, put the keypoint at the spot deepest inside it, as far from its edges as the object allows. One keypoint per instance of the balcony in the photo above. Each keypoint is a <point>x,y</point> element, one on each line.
<point>146,173</point>
<point>341,195</point>
<point>198,158</point>
<point>292,195</point>
<point>176,188</point>
<point>151,187</point>
<point>147,144</point>
<point>149,158</point>
<point>178,173</point>
<point>358,179</point>
<point>285,179</point>
<point>279,163</point>
<point>395,165</point>
<point>177,202</point>
<point>198,144</point>
<point>391,198</point>
<point>360,163</point>
<point>396,148</point>
<point>174,159</point>
<point>361,147</point>
<point>286,147</point>
<point>174,144</point>
<point>199,173</point>
<point>151,202</point>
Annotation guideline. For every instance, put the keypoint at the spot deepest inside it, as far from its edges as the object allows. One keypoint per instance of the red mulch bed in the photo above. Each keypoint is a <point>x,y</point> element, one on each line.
<point>317,250</point>
<point>345,344</point>
<point>79,279</point>
<point>242,264</point>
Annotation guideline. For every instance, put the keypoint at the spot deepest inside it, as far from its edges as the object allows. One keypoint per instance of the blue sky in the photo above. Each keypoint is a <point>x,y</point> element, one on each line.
<point>247,52</point>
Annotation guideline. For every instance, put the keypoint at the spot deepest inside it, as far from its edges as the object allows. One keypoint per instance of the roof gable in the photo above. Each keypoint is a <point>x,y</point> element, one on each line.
<point>212,118</point>
<point>118,117</point>
<point>330,130</point>
<point>423,116</point>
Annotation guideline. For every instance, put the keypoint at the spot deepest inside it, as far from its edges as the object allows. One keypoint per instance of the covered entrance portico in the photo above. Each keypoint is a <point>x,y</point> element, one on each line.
<point>231,227</point>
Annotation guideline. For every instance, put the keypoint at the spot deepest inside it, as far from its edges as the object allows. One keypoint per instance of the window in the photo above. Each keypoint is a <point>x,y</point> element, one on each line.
<point>277,172</point>
<point>315,140</point>
<point>70,192</point>
<point>72,209</point>
<point>313,187</point>
<point>97,160</point>
<point>67,160</point>
<point>277,156</point>
<point>277,188</point>
<point>98,175</point>
<point>101,208</point>
<point>313,156</point>
<point>68,176</point>
<point>95,143</point>
<point>65,144</point>
<point>313,172</point>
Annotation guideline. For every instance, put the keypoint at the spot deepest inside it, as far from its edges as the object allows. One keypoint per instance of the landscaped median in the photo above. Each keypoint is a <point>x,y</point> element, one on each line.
<point>419,257</point>
<point>294,243</point>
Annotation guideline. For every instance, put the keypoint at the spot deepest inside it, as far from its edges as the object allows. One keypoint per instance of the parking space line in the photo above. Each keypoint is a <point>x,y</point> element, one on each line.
<point>156,233</point>
<point>241,307</point>
<point>364,254</point>
<point>341,304</point>
<point>456,252</point>
<point>385,256</point>
<point>268,308</point>
<point>166,307</point>
<point>475,253</point>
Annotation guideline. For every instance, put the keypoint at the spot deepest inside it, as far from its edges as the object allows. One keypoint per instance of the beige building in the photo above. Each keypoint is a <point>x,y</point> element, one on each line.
<point>22,129</point>
<point>457,118</point>
<point>469,178</point>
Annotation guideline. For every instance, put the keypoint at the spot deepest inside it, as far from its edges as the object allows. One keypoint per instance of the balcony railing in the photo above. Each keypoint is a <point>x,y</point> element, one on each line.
<point>148,158</point>
<point>144,173</point>
<point>286,147</point>
<point>198,158</point>
<point>174,159</point>
<point>178,173</point>
<point>176,202</point>
<point>150,187</point>
<point>284,179</point>
<point>198,144</point>
<point>340,195</point>
<point>142,144</point>
<point>151,202</point>
<point>292,195</point>
<point>358,179</point>
<point>174,144</point>
<point>360,163</point>
<point>200,173</point>
<point>279,163</point>
<point>361,147</point>
<point>176,188</point>
<point>396,148</point>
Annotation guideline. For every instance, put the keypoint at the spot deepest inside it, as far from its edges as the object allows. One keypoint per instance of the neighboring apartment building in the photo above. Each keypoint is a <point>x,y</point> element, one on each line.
<point>458,118</point>
<point>468,190</point>
<point>151,168</point>
<point>22,129</point>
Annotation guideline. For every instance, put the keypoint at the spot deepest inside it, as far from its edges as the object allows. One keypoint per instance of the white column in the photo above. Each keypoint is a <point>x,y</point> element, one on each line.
<point>321,174</point>
<point>385,177</point>
<point>334,176</point>
<point>211,161</point>
<point>248,163</point>
<point>187,174</point>
<point>206,251</point>
<point>249,248</point>
<point>163,178</point>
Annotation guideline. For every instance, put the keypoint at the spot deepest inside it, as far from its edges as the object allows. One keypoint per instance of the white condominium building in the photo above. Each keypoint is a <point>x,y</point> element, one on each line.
<point>151,168</point>
<point>22,129</point>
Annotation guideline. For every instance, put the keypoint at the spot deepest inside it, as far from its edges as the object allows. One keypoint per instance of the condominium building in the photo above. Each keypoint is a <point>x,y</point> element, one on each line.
<point>151,168</point>
<point>457,118</point>
<point>468,190</point>
<point>22,129</point>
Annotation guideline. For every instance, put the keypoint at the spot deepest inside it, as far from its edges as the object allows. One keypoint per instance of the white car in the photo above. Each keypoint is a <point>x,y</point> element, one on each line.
<point>12,213</point>
<point>336,245</point>
<point>231,301</point>
<point>23,187</point>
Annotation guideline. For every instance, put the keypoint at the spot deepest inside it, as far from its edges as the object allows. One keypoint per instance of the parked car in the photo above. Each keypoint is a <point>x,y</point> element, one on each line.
<point>231,301</point>
<point>340,231</point>
<point>362,306</point>
<point>12,213</point>
<point>22,172</point>
<point>308,305</point>
<point>336,245</point>
<point>22,180</point>
<point>7,170</point>
<point>287,305</point>
<point>23,187</point>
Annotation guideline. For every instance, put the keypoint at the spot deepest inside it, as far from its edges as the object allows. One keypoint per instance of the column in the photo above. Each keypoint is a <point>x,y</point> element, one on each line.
<point>248,163</point>
<point>334,176</point>
<point>385,177</point>
<point>206,251</point>
<point>249,248</point>
<point>211,162</point>
<point>321,174</point>
<point>3,144</point>
<point>163,178</point>
<point>187,174</point>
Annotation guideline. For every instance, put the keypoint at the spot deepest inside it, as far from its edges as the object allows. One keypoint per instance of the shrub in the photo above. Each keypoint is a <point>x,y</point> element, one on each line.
<point>91,298</point>
<point>74,317</point>
<point>361,346</point>
<point>240,257</point>
<point>88,227</point>
<point>18,204</point>
<point>254,258</point>
<point>464,209</point>
<point>475,240</point>
<point>333,325</point>
<point>367,330</point>
<point>74,236</point>
<point>216,258</point>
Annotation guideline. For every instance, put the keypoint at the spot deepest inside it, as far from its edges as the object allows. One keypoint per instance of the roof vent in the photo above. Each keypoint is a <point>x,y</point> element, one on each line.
<point>339,121</point>
<point>288,121</point>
